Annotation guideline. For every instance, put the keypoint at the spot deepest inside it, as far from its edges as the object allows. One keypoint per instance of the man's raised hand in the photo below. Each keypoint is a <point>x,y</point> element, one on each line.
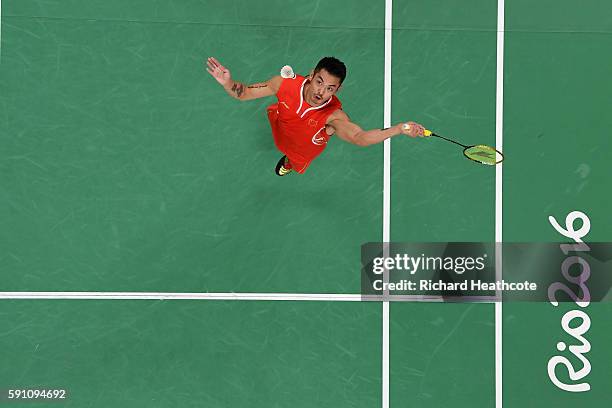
<point>218,71</point>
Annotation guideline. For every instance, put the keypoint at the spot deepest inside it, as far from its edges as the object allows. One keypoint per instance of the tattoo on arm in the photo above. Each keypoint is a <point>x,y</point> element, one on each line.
<point>258,86</point>
<point>238,88</point>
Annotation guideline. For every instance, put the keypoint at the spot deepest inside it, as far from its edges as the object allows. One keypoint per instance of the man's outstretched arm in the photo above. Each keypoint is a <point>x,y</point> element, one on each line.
<point>237,89</point>
<point>352,133</point>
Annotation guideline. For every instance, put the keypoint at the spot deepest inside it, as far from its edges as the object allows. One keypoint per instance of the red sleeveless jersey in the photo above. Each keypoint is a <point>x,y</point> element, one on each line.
<point>297,127</point>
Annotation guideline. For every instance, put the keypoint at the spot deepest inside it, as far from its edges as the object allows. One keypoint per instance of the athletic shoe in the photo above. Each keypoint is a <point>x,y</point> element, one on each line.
<point>283,167</point>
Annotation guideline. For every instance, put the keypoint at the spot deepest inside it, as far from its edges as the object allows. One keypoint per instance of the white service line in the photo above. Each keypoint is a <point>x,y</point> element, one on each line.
<point>183,296</point>
<point>317,297</point>
<point>499,139</point>
<point>386,197</point>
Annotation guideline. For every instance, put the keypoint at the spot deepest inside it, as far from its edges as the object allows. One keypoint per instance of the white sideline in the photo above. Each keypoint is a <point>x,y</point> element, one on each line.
<point>499,139</point>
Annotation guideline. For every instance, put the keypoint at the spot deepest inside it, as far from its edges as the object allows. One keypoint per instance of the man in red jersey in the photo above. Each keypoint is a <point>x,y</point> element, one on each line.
<point>308,112</point>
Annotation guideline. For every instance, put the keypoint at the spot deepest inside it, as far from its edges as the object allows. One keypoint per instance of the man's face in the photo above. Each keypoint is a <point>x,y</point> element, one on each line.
<point>323,86</point>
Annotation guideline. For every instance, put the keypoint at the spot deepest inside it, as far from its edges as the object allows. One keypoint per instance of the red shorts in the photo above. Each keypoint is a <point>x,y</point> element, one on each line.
<point>298,164</point>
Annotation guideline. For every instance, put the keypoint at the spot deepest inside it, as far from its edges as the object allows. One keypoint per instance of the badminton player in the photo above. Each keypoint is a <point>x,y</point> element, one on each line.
<point>307,113</point>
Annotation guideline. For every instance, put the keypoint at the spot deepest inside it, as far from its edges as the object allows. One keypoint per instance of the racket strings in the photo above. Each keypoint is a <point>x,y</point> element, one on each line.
<point>483,154</point>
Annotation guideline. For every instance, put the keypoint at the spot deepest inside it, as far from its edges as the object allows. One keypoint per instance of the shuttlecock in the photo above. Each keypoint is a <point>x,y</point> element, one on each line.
<point>287,72</point>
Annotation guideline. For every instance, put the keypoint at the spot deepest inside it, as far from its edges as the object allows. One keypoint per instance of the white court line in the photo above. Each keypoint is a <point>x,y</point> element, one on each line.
<point>499,139</point>
<point>386,197</point>
<point>322,297</point>
<point>183,296</point>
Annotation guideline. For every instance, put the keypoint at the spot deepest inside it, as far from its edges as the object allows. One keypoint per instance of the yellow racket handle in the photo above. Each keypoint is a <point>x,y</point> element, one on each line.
<point>426,132</point>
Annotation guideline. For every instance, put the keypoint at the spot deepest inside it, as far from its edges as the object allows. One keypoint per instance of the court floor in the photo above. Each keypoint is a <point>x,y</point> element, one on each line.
<point>125,168</point>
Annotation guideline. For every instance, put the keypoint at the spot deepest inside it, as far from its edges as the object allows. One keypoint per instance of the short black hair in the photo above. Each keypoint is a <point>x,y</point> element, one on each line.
<point>332,65</point>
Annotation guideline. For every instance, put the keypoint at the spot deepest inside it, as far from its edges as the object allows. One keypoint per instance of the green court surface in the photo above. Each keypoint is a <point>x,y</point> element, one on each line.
<point>126,168</point>
<point>194,354</point>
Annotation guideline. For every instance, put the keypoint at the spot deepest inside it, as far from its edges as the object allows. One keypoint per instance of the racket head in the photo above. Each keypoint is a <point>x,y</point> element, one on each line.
<point>483,154</point>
